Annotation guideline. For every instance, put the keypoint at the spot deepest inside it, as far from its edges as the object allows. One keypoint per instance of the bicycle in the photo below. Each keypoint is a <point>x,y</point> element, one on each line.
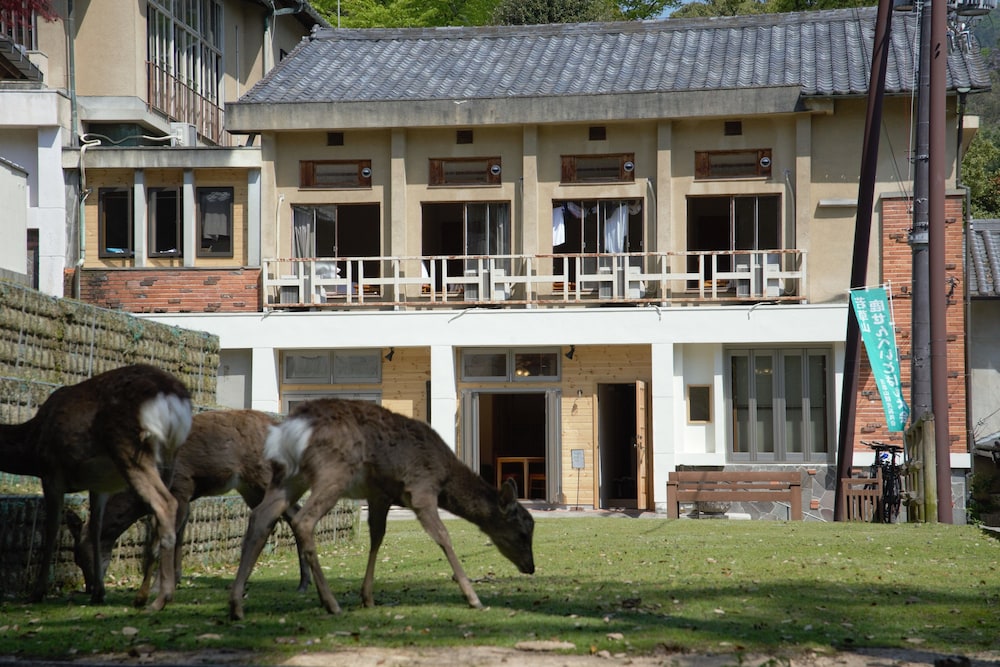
<point>892,479</point>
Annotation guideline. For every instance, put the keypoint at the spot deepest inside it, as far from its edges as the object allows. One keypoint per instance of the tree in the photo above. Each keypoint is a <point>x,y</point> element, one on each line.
<point>981,174</point>
<point>537,12</point>
<point>21,10</point>
<point>431,13</point>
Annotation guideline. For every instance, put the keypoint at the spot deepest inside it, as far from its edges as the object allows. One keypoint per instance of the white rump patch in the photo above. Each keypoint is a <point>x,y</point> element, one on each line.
<point>286,443</point>
<point>166,419</point>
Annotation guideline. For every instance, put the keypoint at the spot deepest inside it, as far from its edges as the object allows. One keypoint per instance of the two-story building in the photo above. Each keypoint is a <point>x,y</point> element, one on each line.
<point>88,101</point>
<point>587,254</point>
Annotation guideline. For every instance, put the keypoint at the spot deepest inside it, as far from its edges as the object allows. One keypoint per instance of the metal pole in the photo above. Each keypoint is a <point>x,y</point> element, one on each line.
<point>862,234</point>
<point>936,272</point>
<point>920,370</point>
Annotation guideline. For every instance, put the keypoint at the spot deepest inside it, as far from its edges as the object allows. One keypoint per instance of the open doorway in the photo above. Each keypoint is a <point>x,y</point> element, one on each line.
<point>510,437</point>
<point>621,424</point>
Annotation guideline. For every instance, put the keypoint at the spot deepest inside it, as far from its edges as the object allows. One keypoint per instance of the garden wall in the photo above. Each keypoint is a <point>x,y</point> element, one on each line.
<point>46,343</point>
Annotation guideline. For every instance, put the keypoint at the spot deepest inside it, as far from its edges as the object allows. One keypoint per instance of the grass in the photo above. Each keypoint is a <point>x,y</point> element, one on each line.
<point>624,585</point>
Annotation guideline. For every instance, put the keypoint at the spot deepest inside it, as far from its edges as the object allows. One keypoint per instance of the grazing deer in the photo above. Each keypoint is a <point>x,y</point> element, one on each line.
<point>339,448</point>
<point>223,452</point>
<point>116,430</point>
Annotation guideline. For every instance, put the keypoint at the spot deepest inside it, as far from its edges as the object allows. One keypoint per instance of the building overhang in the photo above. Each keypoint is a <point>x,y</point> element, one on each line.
<point>246,118</point>
<point>164,158</point>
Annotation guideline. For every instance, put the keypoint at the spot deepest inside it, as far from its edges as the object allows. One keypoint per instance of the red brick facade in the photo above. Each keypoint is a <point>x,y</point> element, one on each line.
<point>897,265</point>
<point>162,290</point>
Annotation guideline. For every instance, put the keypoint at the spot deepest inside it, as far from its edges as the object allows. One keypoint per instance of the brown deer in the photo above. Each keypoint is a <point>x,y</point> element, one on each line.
<point>338,448</point>
<point>223,452</point>
<point>118,429</point>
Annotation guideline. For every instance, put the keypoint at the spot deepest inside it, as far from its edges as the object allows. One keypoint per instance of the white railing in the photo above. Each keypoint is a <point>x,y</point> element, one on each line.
<point>535,280</point>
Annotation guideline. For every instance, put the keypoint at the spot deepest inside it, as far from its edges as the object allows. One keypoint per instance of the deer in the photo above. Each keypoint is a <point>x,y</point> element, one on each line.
<point>116,430</point>
<point>337,448</point>
<point>223,452</point>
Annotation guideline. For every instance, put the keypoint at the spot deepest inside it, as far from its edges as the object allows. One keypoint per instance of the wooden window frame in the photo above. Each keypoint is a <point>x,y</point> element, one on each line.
<point>761,164</point>
<point>571,168</point>
<point>362,171</point>
<point>203,251</point>
<point>438,171</point>
<point>102,215</point>
<point>153,223</point>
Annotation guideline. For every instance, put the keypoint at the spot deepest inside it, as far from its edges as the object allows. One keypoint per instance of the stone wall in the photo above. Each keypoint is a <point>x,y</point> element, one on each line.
<point>47,342</point>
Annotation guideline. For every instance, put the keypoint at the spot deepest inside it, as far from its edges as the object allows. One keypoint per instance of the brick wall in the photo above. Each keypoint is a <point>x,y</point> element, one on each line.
<point>177,290</point>
<point>897,265</point>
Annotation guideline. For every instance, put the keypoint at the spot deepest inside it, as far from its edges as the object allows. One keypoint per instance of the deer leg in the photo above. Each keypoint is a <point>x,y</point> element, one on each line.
<point>262,520</point>
<point>53,517</point>
<point>304,577</point>
<point>427,514</point>
<point>304,526</point>
<point>150,487</point>
<point>98,502</point>
<point>378,510</point>
<point>150,561</point>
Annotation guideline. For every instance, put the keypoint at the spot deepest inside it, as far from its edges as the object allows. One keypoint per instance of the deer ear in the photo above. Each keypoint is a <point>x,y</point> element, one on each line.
<point>508,494</point>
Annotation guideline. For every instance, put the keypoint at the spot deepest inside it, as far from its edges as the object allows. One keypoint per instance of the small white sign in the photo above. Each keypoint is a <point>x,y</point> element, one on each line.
<point>577,456</point>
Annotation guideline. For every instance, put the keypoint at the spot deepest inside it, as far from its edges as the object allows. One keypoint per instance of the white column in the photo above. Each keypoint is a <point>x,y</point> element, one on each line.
<point>188,223</point>
<point>253,217</point>
<point>663,405</point>
<point>140,236</point>
<point>265,374</point>
<point>443,398</point>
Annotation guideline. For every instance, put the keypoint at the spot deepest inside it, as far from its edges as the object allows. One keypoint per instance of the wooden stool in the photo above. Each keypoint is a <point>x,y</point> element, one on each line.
<point>536,483</point>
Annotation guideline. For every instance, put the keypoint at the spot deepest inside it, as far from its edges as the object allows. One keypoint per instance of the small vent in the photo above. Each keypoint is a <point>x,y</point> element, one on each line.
<point>334,138</point>
<point>598,133</point>
<point>463,136</point>
<point>733,128</point>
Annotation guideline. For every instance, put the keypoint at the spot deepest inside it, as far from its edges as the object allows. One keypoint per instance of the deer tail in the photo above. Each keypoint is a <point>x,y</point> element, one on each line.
<point>167,419</point>
<point>286,443</point>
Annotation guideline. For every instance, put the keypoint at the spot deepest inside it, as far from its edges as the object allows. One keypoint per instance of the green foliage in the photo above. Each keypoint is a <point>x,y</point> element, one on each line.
<point>981,173</point>
<point>630,586</point>
<point>435,13</point>
<point>538,12</point>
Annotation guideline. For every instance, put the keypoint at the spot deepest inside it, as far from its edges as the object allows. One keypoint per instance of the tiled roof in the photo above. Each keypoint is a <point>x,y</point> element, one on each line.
<point>822,52</point>
<point>983,247</point>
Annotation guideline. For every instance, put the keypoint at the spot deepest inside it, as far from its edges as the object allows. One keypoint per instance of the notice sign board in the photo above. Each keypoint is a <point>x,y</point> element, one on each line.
<point>577,458</point>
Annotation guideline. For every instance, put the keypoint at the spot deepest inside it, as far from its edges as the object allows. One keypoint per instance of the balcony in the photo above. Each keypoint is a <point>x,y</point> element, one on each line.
<point>181,103</point>
<point>531,281</point>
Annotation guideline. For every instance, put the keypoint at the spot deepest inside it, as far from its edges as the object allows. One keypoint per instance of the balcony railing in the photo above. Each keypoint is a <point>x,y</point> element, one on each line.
<point>181,103</point>
<point>535,280</point>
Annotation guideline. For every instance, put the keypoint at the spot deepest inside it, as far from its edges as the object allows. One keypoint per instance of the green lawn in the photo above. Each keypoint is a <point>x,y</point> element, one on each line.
<point>625,585</point>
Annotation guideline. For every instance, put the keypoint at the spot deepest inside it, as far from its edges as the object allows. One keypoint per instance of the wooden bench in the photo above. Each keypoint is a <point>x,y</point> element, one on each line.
<point>692,486</point>
<point>860,498</point>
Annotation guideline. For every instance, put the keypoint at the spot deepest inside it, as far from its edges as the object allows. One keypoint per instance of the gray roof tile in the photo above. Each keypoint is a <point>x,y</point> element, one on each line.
<point>823,52</point>
<point>983,248</point>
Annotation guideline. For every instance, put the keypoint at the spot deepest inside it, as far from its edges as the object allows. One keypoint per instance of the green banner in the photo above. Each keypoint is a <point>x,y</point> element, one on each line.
<point>871,306</point>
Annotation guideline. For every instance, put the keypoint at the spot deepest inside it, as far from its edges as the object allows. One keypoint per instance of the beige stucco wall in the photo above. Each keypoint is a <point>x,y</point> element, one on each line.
<point>816,163</point>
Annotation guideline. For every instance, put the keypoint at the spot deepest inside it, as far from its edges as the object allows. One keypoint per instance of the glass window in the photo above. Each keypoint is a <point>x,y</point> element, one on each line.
<point>164,222</point>
<point>780,405</point>
<point>215,222</point>
<point>335,174</point>
<point>332,367</point>
<point>357,366</point>
<point>115,226</point>
<point>484,364</point>
<point>617,168</point>
<point>510,365</point>
<point>754,163</point>
<point>464,171</point>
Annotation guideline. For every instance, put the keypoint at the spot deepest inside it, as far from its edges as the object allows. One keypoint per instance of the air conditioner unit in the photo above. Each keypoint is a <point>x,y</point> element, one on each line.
<point>185,134</point>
